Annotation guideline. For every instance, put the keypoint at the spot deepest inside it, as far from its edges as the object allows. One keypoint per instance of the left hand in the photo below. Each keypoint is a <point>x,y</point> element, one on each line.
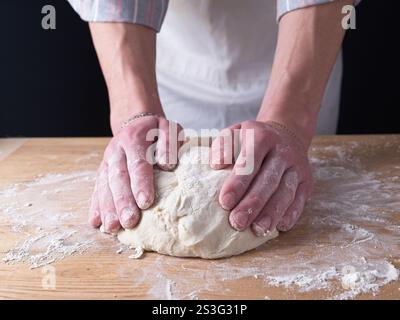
<point>274,193</point>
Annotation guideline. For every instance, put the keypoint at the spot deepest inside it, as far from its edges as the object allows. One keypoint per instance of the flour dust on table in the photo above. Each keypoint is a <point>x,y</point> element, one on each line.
<point>346,243</point>
<point>51,230</point>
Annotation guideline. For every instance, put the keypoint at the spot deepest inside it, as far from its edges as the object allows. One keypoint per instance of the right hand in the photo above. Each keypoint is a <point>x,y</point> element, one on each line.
<point>125,182</point>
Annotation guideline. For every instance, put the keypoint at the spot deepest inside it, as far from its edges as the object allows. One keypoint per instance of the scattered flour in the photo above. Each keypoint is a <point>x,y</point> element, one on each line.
<point>346,246</point>
<point>33,209</point>
<point>57,248</point>
<point>90,156</point>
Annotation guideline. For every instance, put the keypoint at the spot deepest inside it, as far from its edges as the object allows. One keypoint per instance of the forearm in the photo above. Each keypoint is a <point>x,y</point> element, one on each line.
<point>127,57</point>
<point>309,40</point>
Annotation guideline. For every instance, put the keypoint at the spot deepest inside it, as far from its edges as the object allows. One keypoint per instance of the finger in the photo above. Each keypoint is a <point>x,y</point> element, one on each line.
<point>120,186</point>
<point>295,210</point>
<point>108,212</point>
<point>94,211</point>
<point>141,175</point>
<point>277,205</point>
<point>223,148</point>
<point>243,173</point>
<point>260,191</point>
<point>168,144</point>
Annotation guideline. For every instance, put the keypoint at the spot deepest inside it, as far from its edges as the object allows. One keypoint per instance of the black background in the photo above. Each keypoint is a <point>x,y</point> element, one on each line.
<point>51,83</point>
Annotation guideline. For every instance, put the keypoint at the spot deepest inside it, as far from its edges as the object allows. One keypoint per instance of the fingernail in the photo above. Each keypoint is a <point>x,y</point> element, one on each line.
<point>228,201</point>
<point>142,201</point>
<point>109,222</point>
<point>127,217</point>
<point>239,220</point>
<point>258,230</point>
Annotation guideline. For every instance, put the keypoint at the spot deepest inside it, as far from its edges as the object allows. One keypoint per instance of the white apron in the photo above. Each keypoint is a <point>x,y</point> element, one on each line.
<point>214,59</point>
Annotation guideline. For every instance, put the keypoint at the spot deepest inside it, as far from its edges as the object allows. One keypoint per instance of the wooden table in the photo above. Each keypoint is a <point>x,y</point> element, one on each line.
<point>100,273</point>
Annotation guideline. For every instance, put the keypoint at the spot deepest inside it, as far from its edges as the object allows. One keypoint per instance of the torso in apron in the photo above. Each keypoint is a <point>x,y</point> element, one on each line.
<point>214,59</point>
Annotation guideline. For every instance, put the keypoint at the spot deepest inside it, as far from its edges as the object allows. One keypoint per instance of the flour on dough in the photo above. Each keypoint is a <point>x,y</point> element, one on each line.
<point>187,220</point>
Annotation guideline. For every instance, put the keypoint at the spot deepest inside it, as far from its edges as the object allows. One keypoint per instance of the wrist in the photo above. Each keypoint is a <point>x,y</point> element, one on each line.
<point>120,115</point>
<point>302,124</point>
<point>131,98</point>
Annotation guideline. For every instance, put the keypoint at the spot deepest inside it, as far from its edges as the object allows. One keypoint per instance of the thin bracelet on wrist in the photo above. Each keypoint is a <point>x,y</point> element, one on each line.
<point>126,123</point>
<point>281,126</point>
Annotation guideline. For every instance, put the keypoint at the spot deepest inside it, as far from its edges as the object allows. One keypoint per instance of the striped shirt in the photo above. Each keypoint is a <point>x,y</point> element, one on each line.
<point>151,13</point>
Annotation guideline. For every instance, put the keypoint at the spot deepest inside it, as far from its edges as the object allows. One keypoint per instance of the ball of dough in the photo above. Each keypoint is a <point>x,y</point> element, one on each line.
<point>186,219</point>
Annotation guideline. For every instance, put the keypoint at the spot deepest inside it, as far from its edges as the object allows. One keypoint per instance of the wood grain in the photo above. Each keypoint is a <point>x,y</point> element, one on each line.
<point>100,273</point>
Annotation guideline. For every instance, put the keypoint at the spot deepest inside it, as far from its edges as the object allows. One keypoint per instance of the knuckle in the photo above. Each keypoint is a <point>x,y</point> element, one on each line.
<point>272,179</point>
<point>251,205</point>
<point>118,173</point>
<point>123,201</point>
<point>279,161</point>
<point>111,216</point>
<point>260,138</point>
<point>138,165</point>
<point>287,198</point>
<point>283,152</point>
<point>125,136</point>
<point>291,181</point>
<point>110,149</point>
<point>248,123</point>
<point>107,207</point>
<point>136,151</point>
<point>276,209</point>
<point>238,184</point>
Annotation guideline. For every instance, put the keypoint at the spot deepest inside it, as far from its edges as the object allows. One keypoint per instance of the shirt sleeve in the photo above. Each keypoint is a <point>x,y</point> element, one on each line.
<point>149,13</point>
<point>285,6</point>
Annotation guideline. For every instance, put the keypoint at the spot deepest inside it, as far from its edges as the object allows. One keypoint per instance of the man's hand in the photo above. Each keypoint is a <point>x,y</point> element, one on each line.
<point>273,195</point>
<point>275,192</point>
<point>125,178</point>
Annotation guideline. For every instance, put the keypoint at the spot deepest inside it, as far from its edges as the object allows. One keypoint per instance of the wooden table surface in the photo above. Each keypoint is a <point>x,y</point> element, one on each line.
<point>100,273</point>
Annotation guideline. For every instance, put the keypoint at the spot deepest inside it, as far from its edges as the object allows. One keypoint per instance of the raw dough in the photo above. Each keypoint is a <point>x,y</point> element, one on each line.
<point>187,220</point>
